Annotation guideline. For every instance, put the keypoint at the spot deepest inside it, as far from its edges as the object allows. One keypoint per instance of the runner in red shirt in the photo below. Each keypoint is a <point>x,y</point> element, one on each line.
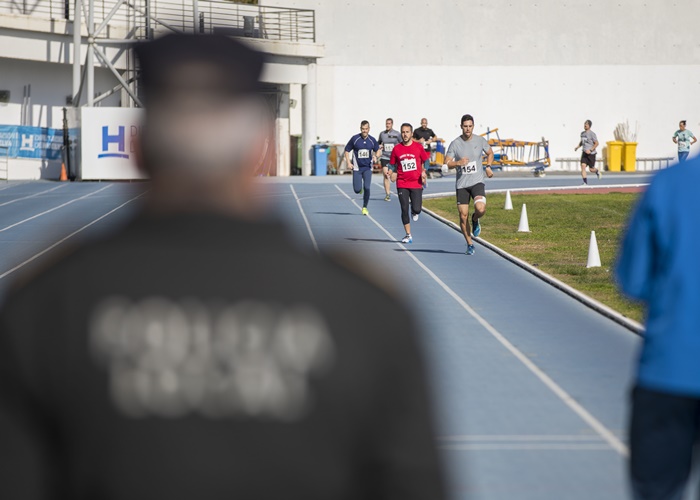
<point>409,174</point>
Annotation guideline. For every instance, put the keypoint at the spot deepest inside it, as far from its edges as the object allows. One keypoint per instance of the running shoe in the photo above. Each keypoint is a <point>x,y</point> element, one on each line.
<point>476,228</point>
<point>407,239</point>
<point>415,217</point>
<point>599,174</point>
<point>365,211</point>
<point>387,197</point>
<point>470,249</point>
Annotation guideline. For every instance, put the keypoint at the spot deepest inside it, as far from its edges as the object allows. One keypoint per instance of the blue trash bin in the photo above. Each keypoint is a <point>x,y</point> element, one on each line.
<point>320,159</point>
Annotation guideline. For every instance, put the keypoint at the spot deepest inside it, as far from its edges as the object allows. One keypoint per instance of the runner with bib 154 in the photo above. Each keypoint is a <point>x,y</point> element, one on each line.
<point>465,156</point>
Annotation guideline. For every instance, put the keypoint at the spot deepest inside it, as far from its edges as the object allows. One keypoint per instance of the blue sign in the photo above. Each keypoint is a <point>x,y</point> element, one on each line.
<point>119,139</point>
<point>31,142</point>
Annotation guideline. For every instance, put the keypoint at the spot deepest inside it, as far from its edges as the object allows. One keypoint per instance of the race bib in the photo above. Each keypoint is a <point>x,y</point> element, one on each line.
<point>469,168</point>
<point>409,165</point>
<point>388,148</point>
<point>363,153</point>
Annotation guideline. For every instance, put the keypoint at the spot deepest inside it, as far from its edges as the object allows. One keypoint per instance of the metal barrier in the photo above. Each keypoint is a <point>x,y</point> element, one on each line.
<point>643,164</point>
<point>254,21</point>
<point>4,163</point>
<point>573,164</point>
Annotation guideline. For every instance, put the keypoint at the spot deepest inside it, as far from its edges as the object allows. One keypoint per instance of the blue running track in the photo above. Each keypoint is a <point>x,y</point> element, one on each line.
<point>530,385</point>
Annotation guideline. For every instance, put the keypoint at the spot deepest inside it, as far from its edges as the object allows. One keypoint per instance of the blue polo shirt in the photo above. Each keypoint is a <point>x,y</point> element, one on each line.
<point>659,265</point>
<point>361,150</point>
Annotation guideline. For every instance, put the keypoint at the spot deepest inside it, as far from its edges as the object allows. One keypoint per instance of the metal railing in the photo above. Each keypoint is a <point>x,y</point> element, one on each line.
<point>4,163</point>
<point>253,21</point>
<point>643,164</point>
<point>49,9</point>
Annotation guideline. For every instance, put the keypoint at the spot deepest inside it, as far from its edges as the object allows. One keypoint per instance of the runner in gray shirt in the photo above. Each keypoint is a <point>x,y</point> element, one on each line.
<point>387,140</point>
<point>465,154</point>
<point>589,143</point>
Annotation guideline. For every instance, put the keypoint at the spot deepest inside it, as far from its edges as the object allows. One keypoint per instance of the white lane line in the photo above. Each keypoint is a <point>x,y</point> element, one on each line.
<point>593,422</point>
<point>535,189</point>
<point>13,185</point>
<point>599,307</point>
<point>53,209</point>
<point>527,447</point>
<point>31,195</point>
<point>382,186</point>
<point>306,221</point>
<point>318,196</point>
<point>48,249</point>
<point>518,438</point>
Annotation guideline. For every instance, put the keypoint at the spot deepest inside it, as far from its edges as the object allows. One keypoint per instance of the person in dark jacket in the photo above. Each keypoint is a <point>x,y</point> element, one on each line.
<point>197,352</point>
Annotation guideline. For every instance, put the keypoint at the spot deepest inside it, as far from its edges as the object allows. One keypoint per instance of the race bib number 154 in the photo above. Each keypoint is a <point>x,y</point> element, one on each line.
<point>469,168</point>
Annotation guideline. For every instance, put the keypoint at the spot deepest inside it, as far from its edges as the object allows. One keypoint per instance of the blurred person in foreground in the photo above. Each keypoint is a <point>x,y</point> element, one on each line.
<point>198,353</point>
<point>659,266</point>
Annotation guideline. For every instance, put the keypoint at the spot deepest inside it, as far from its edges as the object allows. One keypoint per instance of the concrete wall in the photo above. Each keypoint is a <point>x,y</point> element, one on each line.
<point>51,84</point>
<point>532,69</point>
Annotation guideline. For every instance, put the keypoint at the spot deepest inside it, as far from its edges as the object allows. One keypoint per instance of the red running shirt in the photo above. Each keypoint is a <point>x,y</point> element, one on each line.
<point>409,164</point>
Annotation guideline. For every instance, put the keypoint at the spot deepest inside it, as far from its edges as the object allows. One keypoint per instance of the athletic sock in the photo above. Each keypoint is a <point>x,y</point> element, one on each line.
<point>585,180</point>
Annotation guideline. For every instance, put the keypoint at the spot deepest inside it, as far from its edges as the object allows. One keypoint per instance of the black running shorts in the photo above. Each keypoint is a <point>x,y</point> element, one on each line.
<point>588,160</point>
<point>466,194</point>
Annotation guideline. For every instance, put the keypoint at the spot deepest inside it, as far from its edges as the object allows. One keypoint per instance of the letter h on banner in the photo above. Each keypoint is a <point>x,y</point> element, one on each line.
<point>27,143</point>
<point>119,139</point>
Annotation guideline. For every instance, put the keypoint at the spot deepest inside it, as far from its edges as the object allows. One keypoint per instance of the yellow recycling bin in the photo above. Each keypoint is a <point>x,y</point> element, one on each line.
<point>615,155</point>
<point>629,157</point>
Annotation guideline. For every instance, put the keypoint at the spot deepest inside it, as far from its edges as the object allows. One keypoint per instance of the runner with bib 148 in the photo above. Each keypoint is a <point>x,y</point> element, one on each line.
<point>465,155</point>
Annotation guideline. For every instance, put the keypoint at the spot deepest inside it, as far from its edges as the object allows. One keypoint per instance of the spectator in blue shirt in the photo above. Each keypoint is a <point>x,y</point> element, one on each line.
<point>360,152</point>
<point>659,266</point>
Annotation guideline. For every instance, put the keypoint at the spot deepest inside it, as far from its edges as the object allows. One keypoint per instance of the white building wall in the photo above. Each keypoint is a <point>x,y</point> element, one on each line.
<point>50,85</point>
<point>532,69</point>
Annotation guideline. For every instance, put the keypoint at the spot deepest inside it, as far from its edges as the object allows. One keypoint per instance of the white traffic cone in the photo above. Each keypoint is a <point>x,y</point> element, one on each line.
<point>509,202</point>
<point>523,227</point>
<point>593,254</point>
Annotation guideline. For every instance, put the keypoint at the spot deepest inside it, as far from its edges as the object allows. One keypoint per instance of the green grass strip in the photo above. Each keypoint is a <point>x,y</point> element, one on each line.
<point>560,232</point>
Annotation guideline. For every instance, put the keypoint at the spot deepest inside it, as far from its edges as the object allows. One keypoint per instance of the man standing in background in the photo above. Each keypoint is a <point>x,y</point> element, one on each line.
<point>387,140</point>
<point>684,138</point>
<point>426,137</point>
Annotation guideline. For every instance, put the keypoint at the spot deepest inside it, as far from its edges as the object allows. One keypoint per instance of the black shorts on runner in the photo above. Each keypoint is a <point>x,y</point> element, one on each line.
<point>466,194</point>
<point>588,159</point>
<point>384,162</point>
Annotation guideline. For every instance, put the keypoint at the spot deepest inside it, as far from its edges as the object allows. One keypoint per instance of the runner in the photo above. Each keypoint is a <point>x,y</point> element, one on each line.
<point>684,138</point>
<point>387,140</point>
<point>409,174</point>
<point>363,148</point>
<point>589,143</point>
<point>465,154</point>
